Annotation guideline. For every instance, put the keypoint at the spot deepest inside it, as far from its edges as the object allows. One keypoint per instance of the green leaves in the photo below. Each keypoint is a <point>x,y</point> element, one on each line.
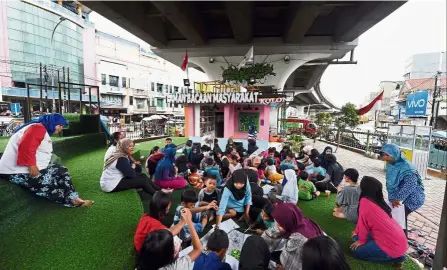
<point>257,72</point>
<point>348,118</point>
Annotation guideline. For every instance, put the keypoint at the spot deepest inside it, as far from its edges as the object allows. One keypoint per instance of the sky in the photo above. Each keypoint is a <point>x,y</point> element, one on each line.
<point>419,26</point>
<point>416,27</point>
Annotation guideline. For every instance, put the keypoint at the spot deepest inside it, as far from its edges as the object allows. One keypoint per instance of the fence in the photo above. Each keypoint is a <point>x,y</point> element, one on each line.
<point>367,141</point>
<point>143,129</point>
<point>373,142</point>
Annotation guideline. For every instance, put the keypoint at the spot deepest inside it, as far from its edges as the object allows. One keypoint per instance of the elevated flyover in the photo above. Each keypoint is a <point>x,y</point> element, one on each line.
<point>300,39</point>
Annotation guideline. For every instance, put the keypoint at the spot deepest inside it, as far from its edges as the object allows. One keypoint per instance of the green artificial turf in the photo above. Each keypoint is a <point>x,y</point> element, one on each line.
<point>320,210</point>
<point>146,147</point>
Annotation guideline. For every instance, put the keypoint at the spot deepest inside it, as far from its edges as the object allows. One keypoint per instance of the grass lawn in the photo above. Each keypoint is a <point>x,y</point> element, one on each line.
<point>146,147</point>
<point>320,210</point>
<point>38,234</point>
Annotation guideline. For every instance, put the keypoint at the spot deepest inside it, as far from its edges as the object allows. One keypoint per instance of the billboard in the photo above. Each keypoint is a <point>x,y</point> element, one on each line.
<point>416,104</point>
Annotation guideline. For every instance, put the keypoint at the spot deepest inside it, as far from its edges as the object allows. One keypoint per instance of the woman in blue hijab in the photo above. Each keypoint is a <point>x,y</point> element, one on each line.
<point>403,182</point>
<point>166,173</point>
<point>27,162</point>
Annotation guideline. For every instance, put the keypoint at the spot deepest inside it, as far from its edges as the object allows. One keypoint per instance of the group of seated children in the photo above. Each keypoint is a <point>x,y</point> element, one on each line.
<point>215,196</point>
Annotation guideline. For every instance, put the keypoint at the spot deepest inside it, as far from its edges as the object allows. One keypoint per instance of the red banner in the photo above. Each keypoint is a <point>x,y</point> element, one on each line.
<point>368,107</point>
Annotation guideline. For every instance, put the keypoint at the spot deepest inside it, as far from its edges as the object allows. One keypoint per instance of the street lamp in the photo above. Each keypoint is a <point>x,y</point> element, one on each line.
<point>52,61</point>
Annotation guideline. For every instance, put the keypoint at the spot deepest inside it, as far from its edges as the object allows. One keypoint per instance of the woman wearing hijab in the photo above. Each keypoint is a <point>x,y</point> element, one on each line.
<point>165,175</point>
<point>120,173</point>
<point>403,182</point>
<point>290,189</point>
<point>327,150</point>
<point>229,146</point>
<point>377,237</point>
<point>26,162</point>
<point>334,175</point>
<point>155,156</point>
<point>236,197</point>
<point>255,254</point>
<point>295,229</point>
<point>114,139</point>
<point>195,156</point>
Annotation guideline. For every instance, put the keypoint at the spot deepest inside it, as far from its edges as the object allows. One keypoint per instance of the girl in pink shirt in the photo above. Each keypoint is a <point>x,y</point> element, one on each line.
<point>378,237</point>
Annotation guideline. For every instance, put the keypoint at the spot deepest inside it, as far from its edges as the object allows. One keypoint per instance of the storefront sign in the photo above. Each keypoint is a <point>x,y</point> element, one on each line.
<point>228,97</point>
<point>416,104</point>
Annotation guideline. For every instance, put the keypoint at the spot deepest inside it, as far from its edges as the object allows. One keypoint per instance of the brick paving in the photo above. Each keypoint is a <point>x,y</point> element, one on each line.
<point>427,218</point>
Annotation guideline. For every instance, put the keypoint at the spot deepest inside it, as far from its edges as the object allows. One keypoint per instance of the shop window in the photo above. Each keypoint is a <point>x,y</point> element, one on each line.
<point>124,81</point>
<point>103,79</point>
<point>160,103</point>
<point>141,103</point>
<point>113,80</point>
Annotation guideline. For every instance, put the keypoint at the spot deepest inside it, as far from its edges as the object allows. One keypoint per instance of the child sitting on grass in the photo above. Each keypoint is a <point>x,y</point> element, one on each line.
<point>319,172</point>
<point>348,197</point>
<point>211,169</point>
<point>214,255</point>
<point>288,162</point>
<point>265,218</point>
<point>194,178</point>
<point>306,189</point>
<point>210,194</point>
<point>271,173</point>
<point>160,250</point>
<point>189,200</point>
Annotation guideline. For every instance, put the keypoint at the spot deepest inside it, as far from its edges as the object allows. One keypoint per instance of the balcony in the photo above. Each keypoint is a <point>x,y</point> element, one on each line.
<point>140,93</point>
<point>112,90</point>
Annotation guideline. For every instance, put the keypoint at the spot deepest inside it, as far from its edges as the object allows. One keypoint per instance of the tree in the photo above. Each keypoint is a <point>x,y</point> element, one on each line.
<point>348,117</point>
<point>324,120</point>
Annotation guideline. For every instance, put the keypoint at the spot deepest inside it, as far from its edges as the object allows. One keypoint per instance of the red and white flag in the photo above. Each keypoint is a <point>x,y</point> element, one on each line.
<point>368,107</point>
<point>185,62</point>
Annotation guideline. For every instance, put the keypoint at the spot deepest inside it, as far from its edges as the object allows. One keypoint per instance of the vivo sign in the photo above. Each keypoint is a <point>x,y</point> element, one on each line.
<point>417,104</point>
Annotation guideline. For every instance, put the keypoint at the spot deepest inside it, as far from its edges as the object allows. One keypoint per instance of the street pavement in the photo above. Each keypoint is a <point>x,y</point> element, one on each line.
<point>427,218</point>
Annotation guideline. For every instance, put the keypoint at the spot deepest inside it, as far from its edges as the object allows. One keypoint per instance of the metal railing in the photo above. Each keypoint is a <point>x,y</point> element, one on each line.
<point>367,141</point>
<point>142,130</point>
<point>373,142</point>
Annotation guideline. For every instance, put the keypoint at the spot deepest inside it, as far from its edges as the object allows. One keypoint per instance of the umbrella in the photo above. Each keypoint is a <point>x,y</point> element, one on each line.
<point>153,117</point>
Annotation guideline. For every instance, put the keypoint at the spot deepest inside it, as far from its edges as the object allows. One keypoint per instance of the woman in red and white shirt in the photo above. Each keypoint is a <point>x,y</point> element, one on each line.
<point>27,157</point>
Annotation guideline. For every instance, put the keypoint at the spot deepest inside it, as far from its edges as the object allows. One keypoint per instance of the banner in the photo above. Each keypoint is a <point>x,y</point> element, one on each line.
<point>368,107</point>
<point>226,97</point>
<point>416,104</point>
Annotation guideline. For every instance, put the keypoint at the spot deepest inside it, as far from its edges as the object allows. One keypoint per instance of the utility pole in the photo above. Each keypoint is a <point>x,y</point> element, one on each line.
<point>435,93</point>
<point>40,82</point>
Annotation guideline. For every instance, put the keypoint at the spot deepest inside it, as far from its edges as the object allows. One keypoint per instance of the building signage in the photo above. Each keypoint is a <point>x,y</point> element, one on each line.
<point>226,97</point>
<point>416,104</point>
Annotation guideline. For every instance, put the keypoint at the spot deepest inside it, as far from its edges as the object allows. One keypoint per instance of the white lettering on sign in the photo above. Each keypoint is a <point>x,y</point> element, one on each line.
<point>246,97</point>
<point>272,100</point>
<point>416,104</point>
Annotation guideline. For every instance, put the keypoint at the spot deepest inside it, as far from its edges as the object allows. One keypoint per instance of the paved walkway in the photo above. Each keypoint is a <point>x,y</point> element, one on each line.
<point>427,218</point>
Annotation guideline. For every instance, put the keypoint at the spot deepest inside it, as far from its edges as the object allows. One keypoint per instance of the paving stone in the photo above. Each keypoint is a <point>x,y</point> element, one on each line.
<point>425,219</point>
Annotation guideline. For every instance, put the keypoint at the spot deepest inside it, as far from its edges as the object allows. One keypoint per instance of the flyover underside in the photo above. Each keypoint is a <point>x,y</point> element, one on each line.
<point>310,33</point>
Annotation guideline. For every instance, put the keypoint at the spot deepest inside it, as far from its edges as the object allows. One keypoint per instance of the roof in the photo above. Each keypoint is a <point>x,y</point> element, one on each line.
<point>413,85</point>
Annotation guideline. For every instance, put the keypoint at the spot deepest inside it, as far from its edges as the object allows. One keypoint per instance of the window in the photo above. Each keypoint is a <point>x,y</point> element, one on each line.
<point>175,89</point>
<point>113,80</point>
<point>103,79</point>
<point>130,101</point>
<point>170,89</point>
<point>124,81</point>
<point>141,103</point>
<point>153,86</point>
<point>160,103</point>
<point>159,87</point>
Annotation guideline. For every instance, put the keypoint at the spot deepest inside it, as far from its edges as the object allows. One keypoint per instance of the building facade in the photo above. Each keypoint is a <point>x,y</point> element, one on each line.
<point>39,39</point>
<point>135,81</point>
<point>420,66</point>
